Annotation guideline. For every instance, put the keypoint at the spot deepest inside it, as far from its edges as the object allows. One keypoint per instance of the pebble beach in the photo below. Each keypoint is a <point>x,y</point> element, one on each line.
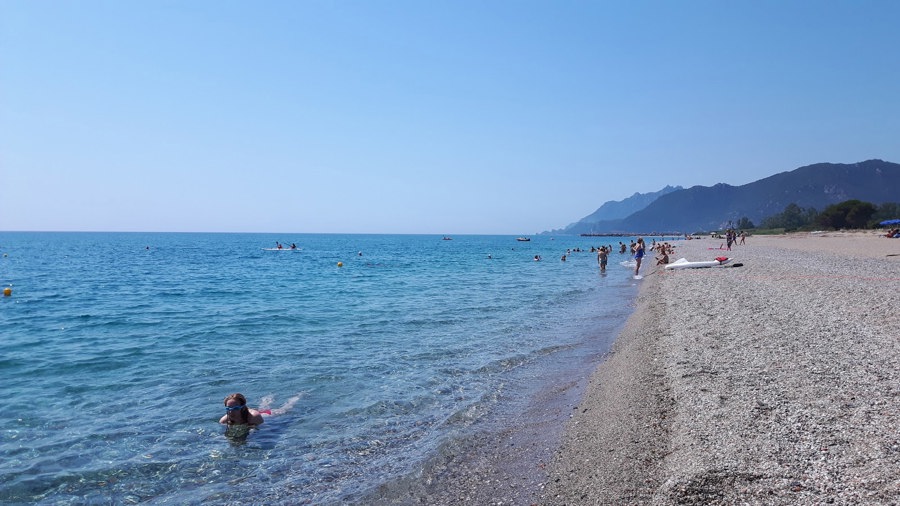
<point>775,382</point>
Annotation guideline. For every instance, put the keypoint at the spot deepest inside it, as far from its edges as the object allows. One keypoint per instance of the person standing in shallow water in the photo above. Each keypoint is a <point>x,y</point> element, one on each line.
<point>638,254</point>
<point>237,412</point>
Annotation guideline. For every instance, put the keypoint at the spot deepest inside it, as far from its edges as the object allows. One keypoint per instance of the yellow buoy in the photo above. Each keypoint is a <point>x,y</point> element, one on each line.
<point>7,291</point>
<point>340,264</point>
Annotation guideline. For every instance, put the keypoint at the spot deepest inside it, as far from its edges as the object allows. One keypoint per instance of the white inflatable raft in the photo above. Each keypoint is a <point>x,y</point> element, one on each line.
<point>683,263</point>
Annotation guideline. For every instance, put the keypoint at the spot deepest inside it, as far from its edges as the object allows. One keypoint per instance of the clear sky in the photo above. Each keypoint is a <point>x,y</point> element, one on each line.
<point>390,116</point>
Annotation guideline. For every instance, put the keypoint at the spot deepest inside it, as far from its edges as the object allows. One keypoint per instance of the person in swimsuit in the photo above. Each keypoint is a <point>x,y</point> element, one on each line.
<point>602,257</point>
<point>664,259</point>
<point>638,254</point>
<point>237,412</point>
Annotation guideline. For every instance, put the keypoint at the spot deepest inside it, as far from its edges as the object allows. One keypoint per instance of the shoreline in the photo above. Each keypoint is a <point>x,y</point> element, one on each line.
<point>504,459</point>
<point>724,386</point>
<point>772,383</point>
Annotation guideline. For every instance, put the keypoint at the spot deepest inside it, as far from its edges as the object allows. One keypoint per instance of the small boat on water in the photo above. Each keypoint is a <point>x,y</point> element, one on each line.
<point>445,238</point>
<point>523,239</point>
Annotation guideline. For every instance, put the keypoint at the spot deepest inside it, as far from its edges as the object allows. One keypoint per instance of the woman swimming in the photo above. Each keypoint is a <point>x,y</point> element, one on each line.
<point>237,412</point>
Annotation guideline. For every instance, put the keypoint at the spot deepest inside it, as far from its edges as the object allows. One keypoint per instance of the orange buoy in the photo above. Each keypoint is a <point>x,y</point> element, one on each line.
<point>340,264</point>
<point>7,291</point>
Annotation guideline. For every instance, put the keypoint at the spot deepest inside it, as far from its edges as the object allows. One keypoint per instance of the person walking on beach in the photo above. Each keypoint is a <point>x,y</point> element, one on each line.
<point>237,412</point>
<point>638,254</point>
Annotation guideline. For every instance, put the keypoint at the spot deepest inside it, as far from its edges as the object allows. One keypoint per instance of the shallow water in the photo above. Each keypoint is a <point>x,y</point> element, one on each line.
<point>119,348</point>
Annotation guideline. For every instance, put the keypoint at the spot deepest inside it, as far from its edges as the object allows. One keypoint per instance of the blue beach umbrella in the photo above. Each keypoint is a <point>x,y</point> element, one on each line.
<point>889,222</point>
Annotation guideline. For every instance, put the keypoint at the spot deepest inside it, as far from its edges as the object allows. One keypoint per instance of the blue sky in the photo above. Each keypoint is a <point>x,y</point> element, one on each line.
<point>422,116</point>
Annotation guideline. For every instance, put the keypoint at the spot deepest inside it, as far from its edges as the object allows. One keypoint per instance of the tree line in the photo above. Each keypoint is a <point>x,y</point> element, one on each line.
<point>847,214</point>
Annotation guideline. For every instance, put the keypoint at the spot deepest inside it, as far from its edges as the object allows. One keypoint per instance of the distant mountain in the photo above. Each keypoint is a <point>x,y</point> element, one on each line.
<point>703,208</point>
<point>614,211</point>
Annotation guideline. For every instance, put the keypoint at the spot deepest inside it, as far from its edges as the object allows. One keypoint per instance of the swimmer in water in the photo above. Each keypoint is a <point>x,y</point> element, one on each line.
<point>237,412</point>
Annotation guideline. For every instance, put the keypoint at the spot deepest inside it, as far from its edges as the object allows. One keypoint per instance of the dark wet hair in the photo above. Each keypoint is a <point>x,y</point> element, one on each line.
<point>245,412</point>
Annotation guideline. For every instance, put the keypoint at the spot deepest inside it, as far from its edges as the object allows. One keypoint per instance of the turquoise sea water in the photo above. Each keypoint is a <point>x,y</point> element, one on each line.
<point>118,349</point>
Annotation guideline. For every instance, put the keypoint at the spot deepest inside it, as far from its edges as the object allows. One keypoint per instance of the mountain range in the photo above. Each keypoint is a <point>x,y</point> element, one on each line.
<point>704,208</point>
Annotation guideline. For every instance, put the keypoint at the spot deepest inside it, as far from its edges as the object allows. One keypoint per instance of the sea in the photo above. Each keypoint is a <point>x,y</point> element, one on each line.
<point>373,353</point>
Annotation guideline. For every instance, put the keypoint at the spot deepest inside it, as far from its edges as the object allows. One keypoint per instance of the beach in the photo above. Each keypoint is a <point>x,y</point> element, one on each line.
<point>773,382</point>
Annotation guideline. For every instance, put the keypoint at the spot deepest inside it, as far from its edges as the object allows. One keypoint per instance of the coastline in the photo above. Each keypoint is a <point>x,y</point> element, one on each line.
<point>504,459</point>
<point>771,383</point>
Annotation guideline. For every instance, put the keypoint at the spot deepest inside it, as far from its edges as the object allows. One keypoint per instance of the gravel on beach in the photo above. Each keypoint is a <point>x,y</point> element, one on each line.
<point>776,382</point>
<point>773,383</point>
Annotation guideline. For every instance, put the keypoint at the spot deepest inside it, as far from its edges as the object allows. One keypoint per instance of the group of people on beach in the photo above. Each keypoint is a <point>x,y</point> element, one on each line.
<point>638,251</point>
<point>663,250</point>
<point>731,237</point>
<point>636,248</point>
<point>893,233</point>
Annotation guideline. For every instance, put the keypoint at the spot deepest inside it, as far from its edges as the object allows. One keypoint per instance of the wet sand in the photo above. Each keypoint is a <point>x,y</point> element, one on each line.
<point>777,382</point>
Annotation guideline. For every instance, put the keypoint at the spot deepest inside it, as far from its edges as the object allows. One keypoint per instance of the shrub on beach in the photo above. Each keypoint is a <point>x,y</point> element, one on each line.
<point>886,211</point>
<point>847,214</point>
<point>792,218</point>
